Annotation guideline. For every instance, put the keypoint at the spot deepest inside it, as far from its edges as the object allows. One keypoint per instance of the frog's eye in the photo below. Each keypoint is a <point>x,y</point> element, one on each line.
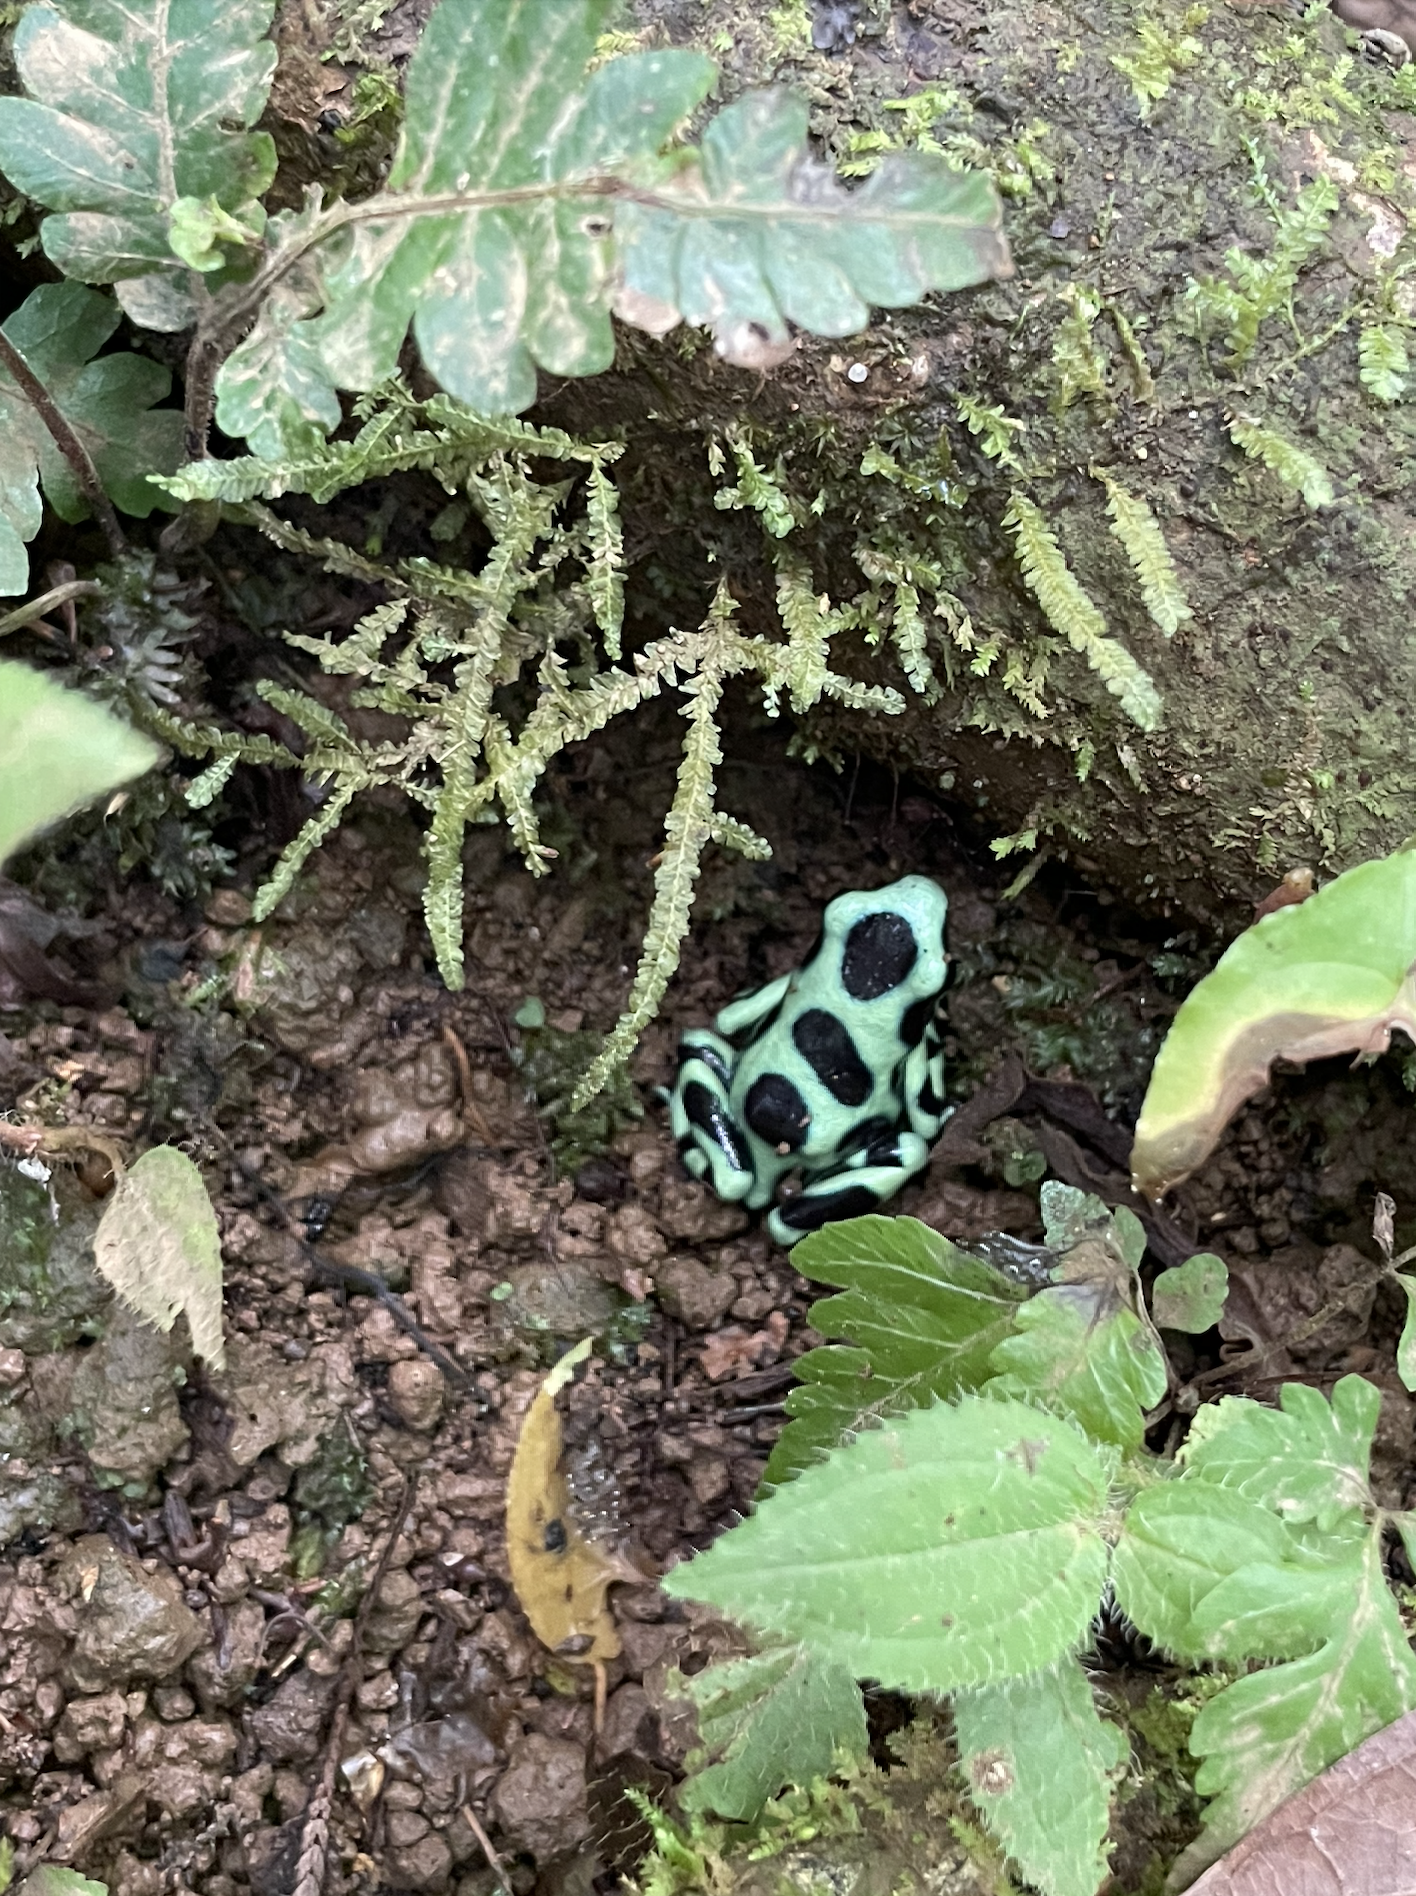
<point>880,951</point>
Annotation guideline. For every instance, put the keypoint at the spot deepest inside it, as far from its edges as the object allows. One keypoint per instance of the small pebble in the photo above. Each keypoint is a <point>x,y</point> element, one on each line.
<point>415,1390</point>
<point>857,372</point>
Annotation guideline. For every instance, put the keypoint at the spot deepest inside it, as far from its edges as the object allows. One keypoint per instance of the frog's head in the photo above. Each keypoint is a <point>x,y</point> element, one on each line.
<point>889,941</point>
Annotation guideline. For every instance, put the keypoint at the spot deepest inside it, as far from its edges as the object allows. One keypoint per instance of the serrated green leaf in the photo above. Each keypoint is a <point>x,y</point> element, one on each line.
<point>756,234</point>
<point>58,751</point>
<point>786,1716</point>
<point>1191,1296</point>
<point>109,403</point>
<point>1069,1216</point>
<point>1078,1355</point>
<point>948,1547</point>
<point>1326,976</point>
<point>1307,1459</point>
<point>158,1244</point>
<point>131,108</point>
<point>1265,1736</point>
<point>1180,1540</point>
<point>1139,532</point>
<point>925,1318</point>
<point>1039,1762</point>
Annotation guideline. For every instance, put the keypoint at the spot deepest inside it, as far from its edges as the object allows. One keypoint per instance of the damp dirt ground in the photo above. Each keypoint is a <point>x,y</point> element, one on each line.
<point>186,1549</point>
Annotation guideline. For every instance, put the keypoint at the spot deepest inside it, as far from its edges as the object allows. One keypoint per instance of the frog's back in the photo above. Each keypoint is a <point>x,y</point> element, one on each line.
<point>845,1026</point>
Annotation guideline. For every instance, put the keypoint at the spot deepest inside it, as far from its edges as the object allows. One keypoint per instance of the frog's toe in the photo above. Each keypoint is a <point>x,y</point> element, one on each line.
<point>812,1209</point>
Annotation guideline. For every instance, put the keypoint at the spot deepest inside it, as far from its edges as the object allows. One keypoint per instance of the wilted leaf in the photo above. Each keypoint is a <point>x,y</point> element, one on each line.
<point>560,1577</point>
<point>755,233</point>
<point>786,1716</point>
<point>745,235</point>
<point>58,751</point>
<point>1039,1762</point>
<point>158,1244</point>
<point>924,1316</point>
<point>131,108</point>
<point>1351,1832</point>
<point>59,329</point>
<point>1190,1296</point>
<point>1330,975</point>
<point>951,1546</point>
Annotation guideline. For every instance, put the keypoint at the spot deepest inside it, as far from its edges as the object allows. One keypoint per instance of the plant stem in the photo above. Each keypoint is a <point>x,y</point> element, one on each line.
<point>68,443</point>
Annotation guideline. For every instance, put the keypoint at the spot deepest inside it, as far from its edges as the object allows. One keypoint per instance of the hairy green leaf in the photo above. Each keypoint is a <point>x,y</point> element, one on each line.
<point>157,1243</point>
<point>1266,1735</point>
<point>1180,1541</point>
<point>58,751</point>
<point>52,1879</point>
<point>924,1318</point>
<point>1039,1762</point>
<point>948,1547</point>
<point>1307,1459</point>
<point>785,1716</point>
<point>1329,975</point>
<point>1406,1347</point>
<point>1079,1354</point>
<point>1191,1296</point>
<point>129,109</point>
<point>59,329</point>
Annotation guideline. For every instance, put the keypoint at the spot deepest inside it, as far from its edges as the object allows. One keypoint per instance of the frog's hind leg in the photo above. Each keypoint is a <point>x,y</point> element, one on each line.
<point>701,1117</point>
<point>861,1185</point>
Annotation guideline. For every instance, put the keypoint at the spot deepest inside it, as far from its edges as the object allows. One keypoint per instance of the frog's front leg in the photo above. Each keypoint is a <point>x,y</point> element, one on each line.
<point>752,1010</point>
<point>860,1185</point>
<point>709,1139</point>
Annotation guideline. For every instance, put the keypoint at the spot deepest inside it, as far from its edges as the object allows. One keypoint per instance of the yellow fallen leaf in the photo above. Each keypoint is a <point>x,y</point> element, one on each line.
<point>560,1577</point>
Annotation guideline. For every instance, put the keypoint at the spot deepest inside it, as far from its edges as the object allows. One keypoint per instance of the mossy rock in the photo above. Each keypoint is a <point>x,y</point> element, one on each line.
<point>50,1293</point>
<point>1142,151</point>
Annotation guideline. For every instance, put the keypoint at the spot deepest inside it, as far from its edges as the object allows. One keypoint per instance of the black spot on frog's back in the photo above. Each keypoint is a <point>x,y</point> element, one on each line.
<point>776,1111</point>
<point>826,1046</point>
<point>880,951</point>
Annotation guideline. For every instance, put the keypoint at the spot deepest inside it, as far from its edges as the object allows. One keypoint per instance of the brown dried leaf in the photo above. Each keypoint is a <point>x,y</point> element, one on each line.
<point>1351,1832</point>
<point>560,1577</point>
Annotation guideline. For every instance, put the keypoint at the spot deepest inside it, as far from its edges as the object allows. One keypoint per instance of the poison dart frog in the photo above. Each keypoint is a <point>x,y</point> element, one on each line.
<point>834,1071</point>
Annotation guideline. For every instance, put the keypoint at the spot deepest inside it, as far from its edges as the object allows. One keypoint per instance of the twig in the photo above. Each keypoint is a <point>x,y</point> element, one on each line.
<point>494,1862</point>
<point>34,609</point>
<point>314,1844</point>
<point>472,1114</point>
<point>68,443</point>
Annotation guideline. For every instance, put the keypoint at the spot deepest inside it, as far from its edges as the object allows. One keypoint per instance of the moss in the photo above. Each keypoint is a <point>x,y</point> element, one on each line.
<point>50,1294</point>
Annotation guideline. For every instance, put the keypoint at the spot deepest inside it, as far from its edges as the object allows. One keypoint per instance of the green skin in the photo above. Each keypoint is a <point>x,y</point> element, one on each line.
<point>839,1072</point>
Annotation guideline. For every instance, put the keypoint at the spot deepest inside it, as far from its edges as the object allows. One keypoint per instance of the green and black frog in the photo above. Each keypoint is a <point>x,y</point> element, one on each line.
<point>834,1072</point>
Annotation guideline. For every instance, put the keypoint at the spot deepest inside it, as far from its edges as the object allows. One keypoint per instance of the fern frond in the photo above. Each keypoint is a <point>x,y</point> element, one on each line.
<point>717,652</point>
<point>809,622</point>
<point>1383,361</point>
<point>198,740</point>
<point>1080,365</point>
<point>605,564</point>
<point>316,720</point>
<point>208,784</point>
<point>294,856</point>
<point>1293,465</point>
<point>1070,610</point>
<point>995,430</point>
<point>757,489</point>
<point>1138,530</point>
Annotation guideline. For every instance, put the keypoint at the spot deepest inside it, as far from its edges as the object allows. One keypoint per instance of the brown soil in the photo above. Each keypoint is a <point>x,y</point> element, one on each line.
<point>234,1520</point>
